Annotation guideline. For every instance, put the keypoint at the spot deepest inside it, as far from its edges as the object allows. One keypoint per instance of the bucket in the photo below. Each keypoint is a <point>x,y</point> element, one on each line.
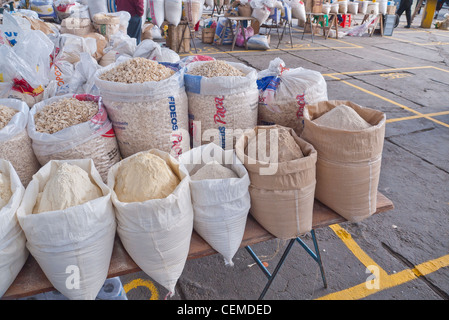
<point>383,6</point>
<point>343,7</point>
<point>353,7</point>
<point>373,8</point>
<point>363,6</point>
<point>326,8</point>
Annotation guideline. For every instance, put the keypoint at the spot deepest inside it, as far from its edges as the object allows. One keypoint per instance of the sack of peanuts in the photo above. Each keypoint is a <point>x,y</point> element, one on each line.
<point>284,92</point>
<point>13,251</point>
<point>281,167</point>
<point>73,127</point>
<point>151,196</point>
<point>147,103</point>
<point>223,99</point>
<point>69,222</point>
<point>15,144</point>
<point>220,197</point>
<point>349,141</point>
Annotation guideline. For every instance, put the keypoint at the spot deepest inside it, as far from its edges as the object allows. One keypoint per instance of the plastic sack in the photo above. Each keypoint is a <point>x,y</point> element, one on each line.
<point>156,233</point>
<point>13,251</point>
<point>44,8</point>
<point>97,6</point>
<point>93,139</point>
<point>73,247</point>
<point>223,33</point>
<point>63,8</point>
<point>82,80</point>
<point>261,14</point>
<point>220,206</point>
<point>258,42</point>
<point>156,12</point>
<point>15,144</point>
<point>284,92</point>
<point>173,11</point>
<point>240,41</point>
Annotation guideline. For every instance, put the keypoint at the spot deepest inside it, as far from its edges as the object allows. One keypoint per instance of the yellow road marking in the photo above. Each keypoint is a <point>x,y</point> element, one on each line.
<point>142,283</point>
<point>378,70</point>
<point>385,280</point>
<point>442,113</point>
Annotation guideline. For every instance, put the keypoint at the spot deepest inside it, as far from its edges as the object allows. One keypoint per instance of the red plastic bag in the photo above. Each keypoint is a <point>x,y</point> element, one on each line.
<point>249,32</point>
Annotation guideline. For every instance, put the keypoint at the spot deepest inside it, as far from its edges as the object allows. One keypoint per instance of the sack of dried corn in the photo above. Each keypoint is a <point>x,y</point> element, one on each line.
<point>13,251</point>
<point>281,168</point>
<point>220,197</point>
<point>223,100</point>
<point>349,141</point>
<point>73,127</point>
<point>69,222</point>
<point>15,144</point>
<point>284,92</point>
<point>147,104</point>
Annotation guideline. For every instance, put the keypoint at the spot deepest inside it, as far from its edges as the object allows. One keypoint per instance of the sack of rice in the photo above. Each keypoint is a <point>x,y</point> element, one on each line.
<point>15,144</point>
<point>349,141</point>
<point>147,104</point>
<point>284,92</point>
<point>13,251</point>
<point>73,127</point>
<point>151,196</point>
<point>223,100</point>
<point>220,197</point>
<point>69,222</point>
<point>281,168</point>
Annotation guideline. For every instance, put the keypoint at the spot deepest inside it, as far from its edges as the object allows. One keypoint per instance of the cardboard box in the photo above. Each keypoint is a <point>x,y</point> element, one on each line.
<point>391,9</point>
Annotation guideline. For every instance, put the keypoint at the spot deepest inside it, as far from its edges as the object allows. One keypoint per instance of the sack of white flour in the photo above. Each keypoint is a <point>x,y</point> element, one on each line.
<point>220,197</point>
<point>284,92</point>
<point>69,222</point>
<point>223,100</point>
<point>13,252</point>
<point>15,144</point>
<point>147,104</point>
<point>73,127</point>
<point>151,196</point>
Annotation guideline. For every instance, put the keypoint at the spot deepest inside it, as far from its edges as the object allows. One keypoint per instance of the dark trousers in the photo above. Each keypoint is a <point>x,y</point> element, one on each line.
<point>405,5</point>
<point>135,28</point>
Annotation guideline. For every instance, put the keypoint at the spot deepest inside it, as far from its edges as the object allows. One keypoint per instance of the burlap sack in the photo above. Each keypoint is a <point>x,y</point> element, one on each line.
<point>281,201</point>
<point>348,164</point>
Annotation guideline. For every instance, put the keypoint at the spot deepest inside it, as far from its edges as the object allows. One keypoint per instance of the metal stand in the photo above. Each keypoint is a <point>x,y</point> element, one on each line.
<point>315,255</point>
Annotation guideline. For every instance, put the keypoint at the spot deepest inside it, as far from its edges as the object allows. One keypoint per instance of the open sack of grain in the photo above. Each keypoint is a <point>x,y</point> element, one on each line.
<point>223,100</point>
<point>349,140</point>
<point>147,104</point>
<point>281,168</point>
<point>13,251</point>
<point>15,144</point>
<point>73,127</point>
<point>284,92</point>
<point>69,222</point>
<point>220,197</point>
<point>151,196</point>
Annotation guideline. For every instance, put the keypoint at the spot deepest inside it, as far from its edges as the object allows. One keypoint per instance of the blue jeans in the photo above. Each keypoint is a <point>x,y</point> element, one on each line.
<point>135,28</point>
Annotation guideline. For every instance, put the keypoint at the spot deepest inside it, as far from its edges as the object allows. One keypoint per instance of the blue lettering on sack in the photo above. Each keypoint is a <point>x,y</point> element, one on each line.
<point>173,117</point>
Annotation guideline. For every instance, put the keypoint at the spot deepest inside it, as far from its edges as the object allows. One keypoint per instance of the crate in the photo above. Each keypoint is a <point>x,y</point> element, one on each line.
<point>208,35</point>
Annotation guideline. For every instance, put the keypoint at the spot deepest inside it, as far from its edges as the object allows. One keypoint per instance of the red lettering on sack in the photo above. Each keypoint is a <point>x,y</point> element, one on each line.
<point>301,104</point>
<point>221,110</point>
<point>176,144</point>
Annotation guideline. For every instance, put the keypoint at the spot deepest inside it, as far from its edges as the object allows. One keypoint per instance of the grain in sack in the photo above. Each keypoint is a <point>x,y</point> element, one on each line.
<point>15,144</point>
<point>282,174</point>
<point>284,92</point>
<point>155,230</point>
<point>73,127</point>
<point>223,99</point>
<point>349,140</point>
<point>220,197</point>
<point>13,251</point>
<point>147,104</point>
<point>69,222</point>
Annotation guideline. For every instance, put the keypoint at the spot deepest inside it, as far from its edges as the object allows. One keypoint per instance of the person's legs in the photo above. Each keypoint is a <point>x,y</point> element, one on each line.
<point>135,28</point>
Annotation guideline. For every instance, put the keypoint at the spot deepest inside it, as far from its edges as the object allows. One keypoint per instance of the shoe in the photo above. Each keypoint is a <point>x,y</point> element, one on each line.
<point>407,26</point>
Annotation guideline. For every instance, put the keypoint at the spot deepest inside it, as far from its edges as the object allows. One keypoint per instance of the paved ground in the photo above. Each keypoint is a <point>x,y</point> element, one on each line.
<point>405,75</point>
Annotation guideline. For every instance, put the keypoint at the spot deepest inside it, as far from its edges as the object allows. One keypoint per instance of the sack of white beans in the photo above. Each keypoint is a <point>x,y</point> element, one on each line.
<point>73,127</point>
<point>147,104</point>
<point>223,99</point>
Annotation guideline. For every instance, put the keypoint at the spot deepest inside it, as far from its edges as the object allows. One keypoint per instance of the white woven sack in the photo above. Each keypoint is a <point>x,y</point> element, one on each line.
<point>13,252</point>
<point>173,11</point>
<point>73,247</point>
<point>156,233</point>
<point>220,206</point>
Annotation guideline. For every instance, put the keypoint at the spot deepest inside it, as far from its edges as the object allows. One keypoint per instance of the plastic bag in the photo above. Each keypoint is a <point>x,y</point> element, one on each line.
<point>97,6</point>
<point>258,42</point>
<point>13,251</point>
<point>240,41</point>
<point>73,246</point>
<point>44,8</point>
<point>82,80</point>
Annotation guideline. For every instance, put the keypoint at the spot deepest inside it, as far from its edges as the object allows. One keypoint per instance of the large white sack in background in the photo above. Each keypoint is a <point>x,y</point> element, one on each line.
<point>13,252</point>
<point>97,6</point>
<point>156,233</point>
<point>173,11</point>
<point>220,206</point>
<point>73,247</point>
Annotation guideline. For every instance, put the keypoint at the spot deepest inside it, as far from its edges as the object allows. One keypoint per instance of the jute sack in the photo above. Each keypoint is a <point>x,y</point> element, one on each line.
<point>348,164</point>
<point>281,197</point>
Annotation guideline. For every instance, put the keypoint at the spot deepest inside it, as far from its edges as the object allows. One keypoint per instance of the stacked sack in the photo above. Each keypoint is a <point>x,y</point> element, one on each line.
<point>349,141</point>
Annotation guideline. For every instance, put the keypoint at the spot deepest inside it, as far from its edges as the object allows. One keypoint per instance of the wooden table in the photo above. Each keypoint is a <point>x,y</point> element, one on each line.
<point>320,17</point>
<point>31,279</point>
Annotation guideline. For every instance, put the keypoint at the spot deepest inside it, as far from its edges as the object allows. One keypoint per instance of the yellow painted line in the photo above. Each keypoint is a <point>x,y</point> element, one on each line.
<point>384,281</point>
<point>376,71</point>
<point>442,113</point>
<point>440,69</point>
<point>142,283</point>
